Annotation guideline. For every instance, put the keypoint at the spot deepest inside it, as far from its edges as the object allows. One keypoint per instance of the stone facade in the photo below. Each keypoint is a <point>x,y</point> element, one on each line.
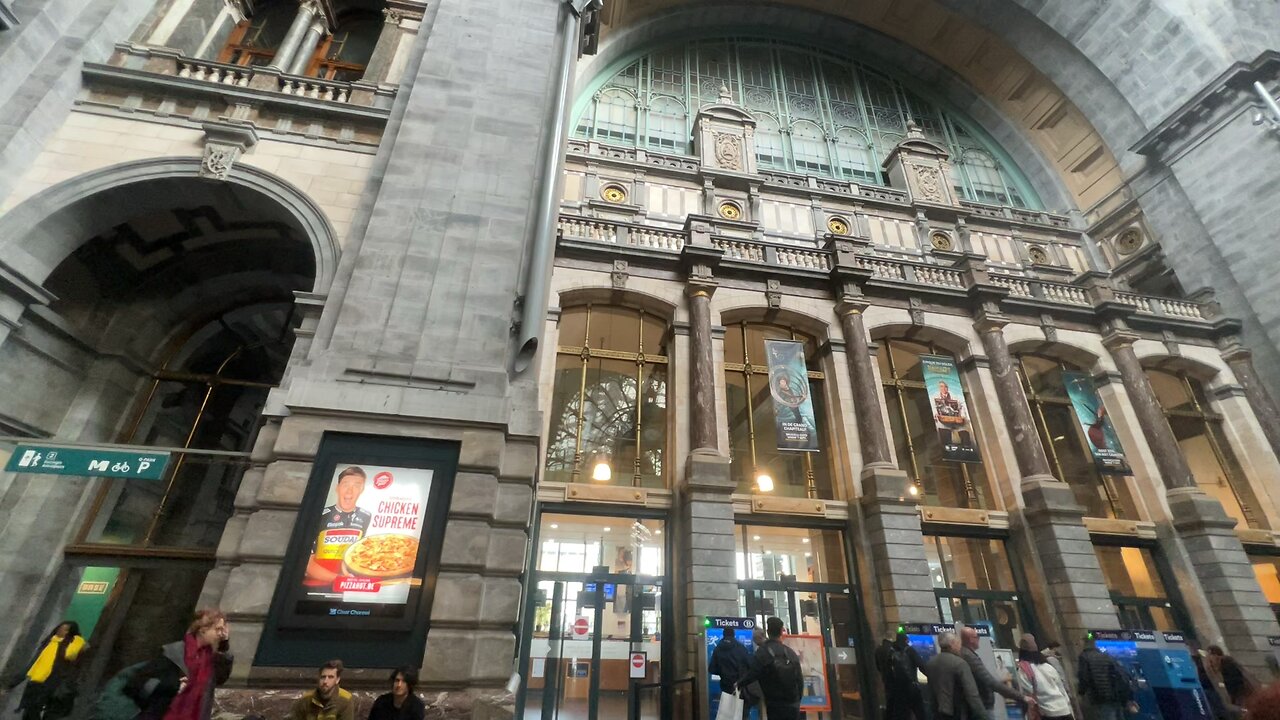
<point>367,238</point>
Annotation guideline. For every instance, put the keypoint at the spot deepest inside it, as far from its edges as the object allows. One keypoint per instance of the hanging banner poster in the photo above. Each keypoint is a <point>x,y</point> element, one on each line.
<point>792,403</point>
<point>813,668</point>
<point>366,541</point>
<point>1103,442</point>
<point>950,414</point>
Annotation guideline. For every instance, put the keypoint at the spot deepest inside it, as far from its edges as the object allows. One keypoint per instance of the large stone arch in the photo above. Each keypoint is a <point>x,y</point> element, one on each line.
<point>47,227</point>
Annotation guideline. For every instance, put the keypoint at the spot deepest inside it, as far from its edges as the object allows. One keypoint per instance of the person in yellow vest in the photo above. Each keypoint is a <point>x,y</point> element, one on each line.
<point>51,680</point>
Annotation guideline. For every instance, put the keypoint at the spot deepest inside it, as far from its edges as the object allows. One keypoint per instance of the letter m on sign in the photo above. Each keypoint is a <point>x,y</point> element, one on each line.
<point>99,465</point>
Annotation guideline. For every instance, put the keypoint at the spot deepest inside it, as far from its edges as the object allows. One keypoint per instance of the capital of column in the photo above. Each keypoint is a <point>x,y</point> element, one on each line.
<point>1233,350</point>
<point>988,319</point>
<point>1117,338</point>
<point>851,305</point>
<point>696,288</point>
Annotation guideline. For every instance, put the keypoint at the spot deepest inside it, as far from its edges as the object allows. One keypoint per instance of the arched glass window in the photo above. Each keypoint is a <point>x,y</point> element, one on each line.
<point>609,403</point>
<point>811,95</point>
<point>915,435</point>
<point>770,151</point>
<point>616,116</point>
<point>1064,440</point>
<point>753,437</point>
<point>809,148</point>
<point>1204,445</point>
<point>667,126</point>
<point>853,159</point>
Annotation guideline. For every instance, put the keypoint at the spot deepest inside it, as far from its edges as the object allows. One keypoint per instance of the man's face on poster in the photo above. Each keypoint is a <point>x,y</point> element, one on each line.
<point>349,488</point>
<point>943,390</point>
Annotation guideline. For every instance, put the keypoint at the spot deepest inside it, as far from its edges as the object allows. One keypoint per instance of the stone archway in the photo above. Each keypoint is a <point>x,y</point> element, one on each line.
<point>155,308</point>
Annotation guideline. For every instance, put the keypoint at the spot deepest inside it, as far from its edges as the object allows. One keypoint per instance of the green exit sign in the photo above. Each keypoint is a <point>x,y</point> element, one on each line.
<point>55,460</point>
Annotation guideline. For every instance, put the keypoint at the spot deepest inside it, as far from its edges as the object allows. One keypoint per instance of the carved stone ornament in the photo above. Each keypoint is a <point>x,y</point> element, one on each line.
<point>728,151</point>
<point>929,183</point>
<point>1037,255</point>
<point>218,159</point>
<point>1128,242</point>
<point>224,143</point>
<point>620,274</point>
<point>916,309</point>
<point>773,293</point>
<point>838,225</point>
<point>940,240</point>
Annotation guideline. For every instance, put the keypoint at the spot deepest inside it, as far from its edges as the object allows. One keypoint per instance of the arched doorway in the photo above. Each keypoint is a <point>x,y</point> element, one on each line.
<point>169,316</point>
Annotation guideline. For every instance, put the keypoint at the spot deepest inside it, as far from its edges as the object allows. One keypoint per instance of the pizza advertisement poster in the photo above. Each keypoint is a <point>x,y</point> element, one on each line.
<point>950,412</point>
<point>367,537</point>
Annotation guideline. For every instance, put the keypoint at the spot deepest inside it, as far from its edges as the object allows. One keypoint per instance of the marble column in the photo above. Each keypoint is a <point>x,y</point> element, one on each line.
<point>872,434</point>
<point>702,380</point>
<point>1207,532</point>
<point>1032,459</point>
<point>307,12</point>
<point>310,41</point>
<point>1260,401</point>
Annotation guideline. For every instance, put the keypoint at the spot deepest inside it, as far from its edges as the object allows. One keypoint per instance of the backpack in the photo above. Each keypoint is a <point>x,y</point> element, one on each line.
<point>112,702</point>
<point>782,676</point>
<point>902,671</point>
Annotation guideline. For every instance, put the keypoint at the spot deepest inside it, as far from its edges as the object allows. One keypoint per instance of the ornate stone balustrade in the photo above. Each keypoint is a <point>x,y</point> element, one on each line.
<point>744,253</point>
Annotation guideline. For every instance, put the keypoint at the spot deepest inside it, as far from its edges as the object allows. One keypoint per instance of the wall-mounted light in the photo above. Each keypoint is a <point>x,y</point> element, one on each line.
<point>602,472</point>
<point>1271,115</point>
<point>913,490</point>
<point>764,483</point>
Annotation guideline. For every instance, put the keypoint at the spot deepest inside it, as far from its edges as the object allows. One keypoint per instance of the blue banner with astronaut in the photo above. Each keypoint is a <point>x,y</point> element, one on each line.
<point>1103,443</point>
<point>950,414</point>
<point>792,403</point>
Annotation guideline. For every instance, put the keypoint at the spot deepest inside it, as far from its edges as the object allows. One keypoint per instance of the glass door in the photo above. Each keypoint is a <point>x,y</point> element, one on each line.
<point>596,639</point>
<point>819,610</point>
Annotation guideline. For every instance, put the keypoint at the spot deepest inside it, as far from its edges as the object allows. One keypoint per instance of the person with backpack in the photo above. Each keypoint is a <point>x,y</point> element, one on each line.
<point>899,664</point>
<point>777,668</point>
<point>1104,685</point>
<point>955,694</point>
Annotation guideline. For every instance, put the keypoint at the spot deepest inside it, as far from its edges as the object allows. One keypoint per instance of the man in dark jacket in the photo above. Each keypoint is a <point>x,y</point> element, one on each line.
<point>988,685</point>
<point>899,664</point>
<point>777,668</point>
<point>729,660</point>
<point>1103,684</point>
<point>955,694</point>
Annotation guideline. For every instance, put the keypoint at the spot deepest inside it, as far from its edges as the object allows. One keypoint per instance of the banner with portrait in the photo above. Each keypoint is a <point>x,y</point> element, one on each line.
<point>951,417</point>
<point>1108,456</point>
<point>792,403</point>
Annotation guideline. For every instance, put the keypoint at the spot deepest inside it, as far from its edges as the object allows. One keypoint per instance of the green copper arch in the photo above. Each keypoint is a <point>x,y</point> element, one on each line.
<point>834,116</point>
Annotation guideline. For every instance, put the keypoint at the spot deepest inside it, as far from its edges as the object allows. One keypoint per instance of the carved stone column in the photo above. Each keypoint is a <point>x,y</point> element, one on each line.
<point>307,12</point>
<point>700,260</point>
<point>1207,532</point>
<point>1075,589</point>
<point>1264,406</point>
<point>846,277</point>
<point>310,41</point>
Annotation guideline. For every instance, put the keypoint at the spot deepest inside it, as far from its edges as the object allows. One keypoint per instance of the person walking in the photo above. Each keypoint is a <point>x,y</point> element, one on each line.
<point>1237,681</point>
<point>401,703</point>
<point>777,668</point>
<point>730,661</point>
<point>955,693</point>
<point>1106,688</point>
<point>327,701</point>
<point>899,665</point>
<point>1042,683</point>
<point>51,679</point>
<point>179,684</point>
<point>987,683</point>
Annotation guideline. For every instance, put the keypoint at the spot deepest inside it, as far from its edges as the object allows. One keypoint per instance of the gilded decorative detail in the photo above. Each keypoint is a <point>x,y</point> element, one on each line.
<point>1037,255</point>
<point>838,226</point>
<point>613,194</point>
<point>730,211</point>
<point>941,241</point>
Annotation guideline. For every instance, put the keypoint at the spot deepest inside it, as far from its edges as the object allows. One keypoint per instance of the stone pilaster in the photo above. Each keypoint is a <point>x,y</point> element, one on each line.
<point>1260,401</point>
<point>1226,576</point>
<point>1207,532</point>
<point>1076,590</point>
<point>385,49</point>
<point>707,549</point>
<point>891,523</point>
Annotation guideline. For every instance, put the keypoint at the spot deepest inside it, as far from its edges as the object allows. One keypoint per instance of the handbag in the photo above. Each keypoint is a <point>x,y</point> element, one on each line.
<point>730,707</point>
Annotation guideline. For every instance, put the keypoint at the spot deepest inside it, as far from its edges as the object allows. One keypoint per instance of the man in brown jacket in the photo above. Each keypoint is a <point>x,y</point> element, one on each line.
<point>327,701</point>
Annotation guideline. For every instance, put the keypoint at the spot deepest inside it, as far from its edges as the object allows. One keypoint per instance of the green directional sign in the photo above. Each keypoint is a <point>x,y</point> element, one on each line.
<point>55,460</point>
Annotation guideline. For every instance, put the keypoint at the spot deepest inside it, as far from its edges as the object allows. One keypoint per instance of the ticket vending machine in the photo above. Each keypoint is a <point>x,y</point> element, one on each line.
<point>924,638</point>
<point>1168,686</point>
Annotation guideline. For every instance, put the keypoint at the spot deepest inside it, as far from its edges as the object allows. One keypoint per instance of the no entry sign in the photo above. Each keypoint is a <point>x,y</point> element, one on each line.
<point>638,662</point>
<point>581,628</point>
